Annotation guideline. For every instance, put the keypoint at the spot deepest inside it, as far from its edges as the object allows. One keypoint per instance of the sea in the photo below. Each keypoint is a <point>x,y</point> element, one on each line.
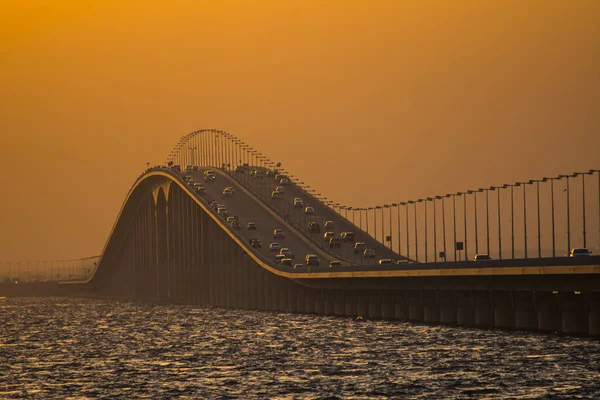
<point>70,348</point>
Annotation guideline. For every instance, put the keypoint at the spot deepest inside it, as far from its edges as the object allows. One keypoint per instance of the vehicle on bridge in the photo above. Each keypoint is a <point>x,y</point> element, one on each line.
<point>580,252</point>
<point>298,202</point>
<point>276,195</point>
<point>335,242</point>
<point>481,257</point>
<point>214,205</point>
<point>330,225</point>
<point>286,262</point>
<point>369,253</point>
<point>286,252</point>
<point>251,226</point>
<point>188,168</point>
<point>199,188</point>
<point>311,259</point>
<point>335,263</point>
<point>279,257</point>
<point>386,261</point>
<point>347,237</point>
<point>314,227</point>
<point>222,210</point>
<point>274,246</point>
<point>298,266</point>
<point>359,247</point>
<point>284,181</point>
<point>210,175</point>
<point>328,235</point>
<point>255,243</point>
<point>228,191</point>
<point>278,234</point>
<point>280,189</point>
<point>309,210</point>
<point>176,168</point>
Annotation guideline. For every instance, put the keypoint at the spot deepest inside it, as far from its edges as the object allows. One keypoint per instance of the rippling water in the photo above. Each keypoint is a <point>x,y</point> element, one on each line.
<point>60,347</point>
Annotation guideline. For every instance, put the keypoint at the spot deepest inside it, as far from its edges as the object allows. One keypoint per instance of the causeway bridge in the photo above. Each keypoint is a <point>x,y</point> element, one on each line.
<point>168,244</point>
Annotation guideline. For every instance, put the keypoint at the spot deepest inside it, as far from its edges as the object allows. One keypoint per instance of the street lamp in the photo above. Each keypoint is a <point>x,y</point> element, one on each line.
<point>443,223</point>
<point>512,217</point>
<point>552,214</point>
<point>487,216</point>
<point>591,171</point>
<point>416,237</point>
<point>568,211</point>
<point>583,174</point>
<point>398,226</point>
<point>537,188</point>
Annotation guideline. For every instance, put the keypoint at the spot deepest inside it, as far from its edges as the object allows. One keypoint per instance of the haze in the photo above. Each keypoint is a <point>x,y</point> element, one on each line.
<point>368,102</point>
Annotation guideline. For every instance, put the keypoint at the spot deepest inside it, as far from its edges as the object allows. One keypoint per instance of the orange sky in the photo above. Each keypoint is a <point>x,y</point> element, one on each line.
<point>368,102</point>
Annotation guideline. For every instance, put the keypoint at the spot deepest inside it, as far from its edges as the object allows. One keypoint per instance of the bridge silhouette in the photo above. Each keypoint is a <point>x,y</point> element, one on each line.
<point>169,245</point>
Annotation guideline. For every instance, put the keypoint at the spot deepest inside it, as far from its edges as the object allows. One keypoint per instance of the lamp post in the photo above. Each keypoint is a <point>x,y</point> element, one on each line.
<point>512,218</point>
<point>464,194</point>
<point>397,205</point>
<point>568,212</point>
<point>416,234</point>
<point>539,229</point>
<point>474,192</point>
<point>487,217</point>
<point>444,224</point>
<point>583,174</point>
<point>552,214</point>
<point>591,171</point>
<point>434,229</point>
<point>390,211</point>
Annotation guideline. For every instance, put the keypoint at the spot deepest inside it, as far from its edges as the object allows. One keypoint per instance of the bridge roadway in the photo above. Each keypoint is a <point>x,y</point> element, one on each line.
<point>248,209</point>
<point>296,216</point>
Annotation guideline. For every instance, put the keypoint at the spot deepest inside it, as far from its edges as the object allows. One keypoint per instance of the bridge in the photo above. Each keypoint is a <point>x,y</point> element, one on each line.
<point>168,244</point>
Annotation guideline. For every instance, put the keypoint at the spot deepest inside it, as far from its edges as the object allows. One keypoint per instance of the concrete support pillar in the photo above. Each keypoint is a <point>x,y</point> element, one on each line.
<point>400,307</point>
<point>350,306</point>
<point>340,305</point>
<point>415,306</point>
<point>330,304</point>
<point>374,307</point>
<point>292,300</point>
<point>575,318</point>
<point>504,311</point>
<point>431,307</point>
<point>525,310</point>
<point>319,308</point>
<point>301,302</point>
<point>362,306</point>
<point>484,311</point>
<point>387,308</point>
<point>309,302</point>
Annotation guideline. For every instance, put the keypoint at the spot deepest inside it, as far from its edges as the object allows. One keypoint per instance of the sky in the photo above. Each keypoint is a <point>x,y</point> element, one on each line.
<point>368,102</point>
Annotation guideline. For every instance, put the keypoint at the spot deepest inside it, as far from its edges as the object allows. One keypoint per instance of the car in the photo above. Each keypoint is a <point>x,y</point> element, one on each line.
<point>284,181</point>
<point>386,261</point>
<point>481,257</point>
<point>280,189</point>
<point>335,263</point>
<point>210,175</point>
<point>255,243</point>
<point>231,220</point>
<point>259,174</point>
<point>215,205</point>
<point>276,195</point>
<point>311,259</point>
<point>309,210</point>
<point>271,173</point>
<point>191,183</point>
<point>195,168</point>
<point>347,237</point>
<point>298,266</point>
<point>278,234</point>
<point>359,247</point>
<point>335,242</point>
<point>222,211</point>
<point>298,202</point>
<point>175,168</point>
<point>402,262</point>
<point>274,246</point>
<point>199,189</point>
<point>251,226</point>
<point>369,253</point>
<point>328,235</point>
<point>314,227</point>
<point>286,252</point>
<point>228,191</point>
<point>187,178</point>
<point>286,262</point>
<point>581,252</point>
<point>278,258</point>
<point>278,176</point>
<point>330,225</point>
<point>188,168</point>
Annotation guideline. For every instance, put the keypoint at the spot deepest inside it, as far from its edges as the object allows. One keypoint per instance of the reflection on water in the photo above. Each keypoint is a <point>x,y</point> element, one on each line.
<point>58,347</point>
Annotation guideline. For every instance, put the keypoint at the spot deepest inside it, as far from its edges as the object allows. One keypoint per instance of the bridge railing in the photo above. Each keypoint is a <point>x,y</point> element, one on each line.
<point>47,270</point>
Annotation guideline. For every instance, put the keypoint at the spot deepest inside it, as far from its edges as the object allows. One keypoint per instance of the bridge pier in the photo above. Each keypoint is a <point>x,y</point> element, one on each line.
<point>362,306</point>
<point>350,306</point>
<point>415,306</point>
<point>329,304</point>
<point>340,305</point>
<point>400,307</point>
<point>309,302</point>
<point>504,311</point>
<point>374,307</point>
<point>319,304</point>
<point>484,310</point>
<point>387,308</point>
<point>431,308</point>
<point>575,318</point>
<point>448,308</point>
